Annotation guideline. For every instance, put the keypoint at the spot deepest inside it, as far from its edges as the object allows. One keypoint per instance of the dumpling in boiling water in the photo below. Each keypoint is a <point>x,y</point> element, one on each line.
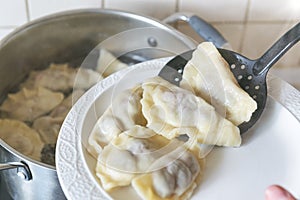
<point>172,111</point>
<point>177,179</point>
<point>209,76</point>
<point>108,64</point>
<point>57,77</point>
<point>48,128</point>
<point>21,137</point>
<point>124,112</point>
<point>63,78</point>
<point>130,154</point>
<point>64,107</point>
<point>27,105</point>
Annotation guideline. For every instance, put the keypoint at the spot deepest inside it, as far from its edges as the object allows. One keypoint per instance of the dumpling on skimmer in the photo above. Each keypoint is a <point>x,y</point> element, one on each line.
<point>124,112</point>
<point>209,76</point>
<point>172,111</point>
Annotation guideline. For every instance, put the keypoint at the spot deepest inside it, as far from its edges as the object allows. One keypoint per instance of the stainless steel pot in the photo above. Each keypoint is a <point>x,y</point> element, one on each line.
<point>69,37</point>
<point>26,178</point>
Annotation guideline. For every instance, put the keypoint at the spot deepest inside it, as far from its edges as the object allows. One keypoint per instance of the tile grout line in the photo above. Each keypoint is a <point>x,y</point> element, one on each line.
<point>245,22</point>
<point>246,17</point>
<point>176,25</point>
<point>27,10</point>
<point>177,6</point>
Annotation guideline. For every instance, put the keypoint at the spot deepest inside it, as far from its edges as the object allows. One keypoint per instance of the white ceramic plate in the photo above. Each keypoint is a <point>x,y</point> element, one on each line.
<point>268,155</point>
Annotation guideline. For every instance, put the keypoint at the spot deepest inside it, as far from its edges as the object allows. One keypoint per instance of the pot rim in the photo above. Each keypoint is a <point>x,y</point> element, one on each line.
<point>69,13</point>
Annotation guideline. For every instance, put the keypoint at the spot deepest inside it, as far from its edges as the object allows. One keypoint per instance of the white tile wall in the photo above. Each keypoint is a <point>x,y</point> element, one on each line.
<point>232,32</point>
<point>216,10</point>
<point>12,12</point>
<point>154,8</point>
<point>259,37</point>
<point>39,8</point>
<point>274,10</point>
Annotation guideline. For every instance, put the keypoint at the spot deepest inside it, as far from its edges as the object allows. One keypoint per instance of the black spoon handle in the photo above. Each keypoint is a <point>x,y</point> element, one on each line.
<point>278,49</point>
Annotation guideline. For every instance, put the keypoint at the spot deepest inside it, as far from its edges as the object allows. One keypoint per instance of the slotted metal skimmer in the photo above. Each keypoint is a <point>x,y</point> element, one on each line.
<point>250,74</point>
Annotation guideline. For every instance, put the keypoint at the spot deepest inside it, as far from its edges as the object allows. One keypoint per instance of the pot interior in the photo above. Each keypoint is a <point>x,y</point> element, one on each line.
<point>69,37</point>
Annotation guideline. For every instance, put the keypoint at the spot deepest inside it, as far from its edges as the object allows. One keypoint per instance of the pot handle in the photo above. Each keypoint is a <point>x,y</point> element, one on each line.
<point>202,28</point>
<point>22,169</point>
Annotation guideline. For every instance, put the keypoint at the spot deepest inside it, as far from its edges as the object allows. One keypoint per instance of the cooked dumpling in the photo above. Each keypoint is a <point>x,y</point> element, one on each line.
<point>85,78</point>
<point>64,107</point>
<point>172,111</point>
<point>130,154</point>
<point>21,137</point>
<point>124,112</point>
<point>61,77</point>
<point>108,64</point>
<point>48,128</point>
<point>176,180</point>
<point>27,105</point>
<point>209,76</point>
<point>57,77</point>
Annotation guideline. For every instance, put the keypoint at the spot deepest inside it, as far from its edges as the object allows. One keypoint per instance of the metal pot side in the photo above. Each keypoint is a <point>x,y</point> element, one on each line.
<point>67,37</point>
<point>42,185</point>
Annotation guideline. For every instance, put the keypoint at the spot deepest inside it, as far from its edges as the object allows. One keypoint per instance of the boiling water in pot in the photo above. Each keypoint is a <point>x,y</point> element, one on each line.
<point>31,115</point>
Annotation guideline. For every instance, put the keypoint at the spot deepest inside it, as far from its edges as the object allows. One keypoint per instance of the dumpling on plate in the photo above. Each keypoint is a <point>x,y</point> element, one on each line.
<point>108,64</point>
<point>130,154</point>
<point>177,179</point>
<point>124,112</point>
<point>21,137</point>
<point>27,105</point>
<point>209,76</point>
<point>172,111</point>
